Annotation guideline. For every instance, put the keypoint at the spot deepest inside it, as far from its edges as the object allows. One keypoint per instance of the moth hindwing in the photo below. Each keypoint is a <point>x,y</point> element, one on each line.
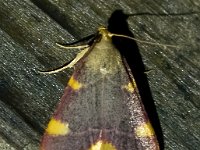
<point>101,108</point>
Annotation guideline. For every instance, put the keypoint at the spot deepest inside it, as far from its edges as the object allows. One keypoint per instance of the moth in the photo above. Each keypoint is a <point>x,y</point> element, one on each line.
<point>101,108</point>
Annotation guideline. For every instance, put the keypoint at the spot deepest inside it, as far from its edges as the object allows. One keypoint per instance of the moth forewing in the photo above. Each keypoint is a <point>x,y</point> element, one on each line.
<point>101,108</point>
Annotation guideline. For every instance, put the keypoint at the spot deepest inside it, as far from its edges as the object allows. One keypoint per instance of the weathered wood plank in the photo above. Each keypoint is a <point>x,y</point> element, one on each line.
<point>29,30</point>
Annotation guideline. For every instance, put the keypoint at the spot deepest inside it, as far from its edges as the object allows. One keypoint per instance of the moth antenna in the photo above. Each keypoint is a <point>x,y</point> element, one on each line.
<point>142,41</point>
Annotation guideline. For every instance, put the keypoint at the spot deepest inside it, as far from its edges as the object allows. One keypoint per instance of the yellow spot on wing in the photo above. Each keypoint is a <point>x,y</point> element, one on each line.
<point>102,145</point>
<point>130,87</point>
<point>74,84</point>
<point>145,130</point>
<point>56,127</point>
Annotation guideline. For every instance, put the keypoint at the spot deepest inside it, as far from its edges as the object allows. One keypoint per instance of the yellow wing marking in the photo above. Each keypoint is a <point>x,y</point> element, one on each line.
<point>145,130</point>
<point>56,127</point>
<point>102,145</point>
<point>130,87</point>
<point>74,84</point>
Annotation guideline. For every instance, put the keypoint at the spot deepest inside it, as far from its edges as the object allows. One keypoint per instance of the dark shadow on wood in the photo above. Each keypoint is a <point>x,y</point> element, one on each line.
<point>129,49</point>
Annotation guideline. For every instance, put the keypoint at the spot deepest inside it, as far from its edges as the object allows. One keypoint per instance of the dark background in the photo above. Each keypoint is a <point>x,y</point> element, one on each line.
<point>30,29</point>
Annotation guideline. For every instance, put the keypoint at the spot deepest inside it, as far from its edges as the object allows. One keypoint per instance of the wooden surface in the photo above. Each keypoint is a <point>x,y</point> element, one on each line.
<point>30,29</point>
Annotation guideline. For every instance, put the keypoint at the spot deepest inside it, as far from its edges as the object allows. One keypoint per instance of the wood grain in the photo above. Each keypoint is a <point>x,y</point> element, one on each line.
<point>30,29</point>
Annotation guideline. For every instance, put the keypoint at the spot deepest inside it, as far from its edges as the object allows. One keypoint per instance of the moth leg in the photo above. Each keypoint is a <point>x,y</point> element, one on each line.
<point>77,58</point>
<point>71,64</point>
